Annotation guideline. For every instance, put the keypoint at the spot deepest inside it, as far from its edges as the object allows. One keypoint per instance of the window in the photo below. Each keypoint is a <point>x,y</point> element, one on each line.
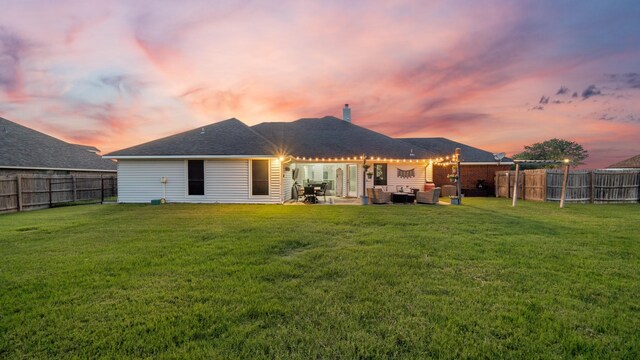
<point>260,177</point>
<point>196,177</point>
<point>379,174</point>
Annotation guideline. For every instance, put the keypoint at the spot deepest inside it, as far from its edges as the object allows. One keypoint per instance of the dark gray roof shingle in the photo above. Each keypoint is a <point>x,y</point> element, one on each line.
<point>630,163</point>
<point>28,148</point>
<point>332,137</point>
<point>228,137</point>
<point>326,137</point>
<point>445,146</point>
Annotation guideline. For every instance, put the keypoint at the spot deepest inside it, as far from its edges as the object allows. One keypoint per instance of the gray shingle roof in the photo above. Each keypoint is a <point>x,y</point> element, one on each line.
<point>332,137</point>
<point>28,148</point>
<point>446,146</point>
<point>632,163</point>
<point>326,137</point>
<point>228,137</point>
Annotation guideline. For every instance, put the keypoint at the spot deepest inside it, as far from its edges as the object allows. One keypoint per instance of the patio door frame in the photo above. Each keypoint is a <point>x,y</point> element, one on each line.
<point>349,192</point>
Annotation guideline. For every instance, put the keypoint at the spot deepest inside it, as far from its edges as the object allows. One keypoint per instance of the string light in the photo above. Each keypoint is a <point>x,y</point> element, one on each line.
<point>444,161</point>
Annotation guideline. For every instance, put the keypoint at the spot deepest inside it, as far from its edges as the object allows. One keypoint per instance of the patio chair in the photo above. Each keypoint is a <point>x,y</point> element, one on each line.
<point>310,194</point>
<point>377,196</point>
<point>428,197</point>
<point>322,191</point>
<point>298,191</point>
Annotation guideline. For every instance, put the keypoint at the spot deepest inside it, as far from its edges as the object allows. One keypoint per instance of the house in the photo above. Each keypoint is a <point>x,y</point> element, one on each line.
<point>230,162</point>
<point>24,151</point>
<point>630,163</point>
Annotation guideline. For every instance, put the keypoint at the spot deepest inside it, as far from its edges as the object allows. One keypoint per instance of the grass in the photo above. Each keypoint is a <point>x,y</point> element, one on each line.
<point>482,280</point>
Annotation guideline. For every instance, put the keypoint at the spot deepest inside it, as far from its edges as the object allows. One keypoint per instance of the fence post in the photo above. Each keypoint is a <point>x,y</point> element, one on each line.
<point>73,186</point>
<point>50,198</point>
<point>497,183</point>
<point>508,184</point>
<point>564,184</point>
<point>19,191</point>
<point>592,193</point>
<point>101,189</point>
<point>515,186</point>
<point>524,185</point>
<point>544,185</point>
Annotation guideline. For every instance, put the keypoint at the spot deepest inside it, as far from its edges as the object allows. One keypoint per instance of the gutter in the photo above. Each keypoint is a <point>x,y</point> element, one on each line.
<point>142,157</point>
<point>47,168</point>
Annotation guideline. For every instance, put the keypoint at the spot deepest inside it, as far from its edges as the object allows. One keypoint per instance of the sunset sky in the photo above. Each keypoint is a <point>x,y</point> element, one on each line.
<point>493,74</point>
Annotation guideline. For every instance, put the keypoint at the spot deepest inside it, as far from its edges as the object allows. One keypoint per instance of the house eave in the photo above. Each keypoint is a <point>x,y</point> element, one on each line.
<point>179,157</point>
<point>54,168</point>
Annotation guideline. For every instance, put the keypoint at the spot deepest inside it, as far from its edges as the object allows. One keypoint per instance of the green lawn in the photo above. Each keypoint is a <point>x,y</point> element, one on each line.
<point>243,281</point>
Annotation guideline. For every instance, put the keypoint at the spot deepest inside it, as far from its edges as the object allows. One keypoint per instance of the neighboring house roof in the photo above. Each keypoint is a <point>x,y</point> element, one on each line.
<point>330,137</point>
<point>21,147</point>
<point>632,162</point>
<point>445,146</point>
<point>228,137</point>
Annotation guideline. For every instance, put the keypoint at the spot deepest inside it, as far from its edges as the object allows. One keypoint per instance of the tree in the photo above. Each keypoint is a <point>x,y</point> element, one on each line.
<point>554,149</point>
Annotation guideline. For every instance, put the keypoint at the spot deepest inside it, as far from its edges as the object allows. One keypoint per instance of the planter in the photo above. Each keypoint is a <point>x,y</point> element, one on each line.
<point>455,201</point>
<point>369,176</point>
<point>365,200</point>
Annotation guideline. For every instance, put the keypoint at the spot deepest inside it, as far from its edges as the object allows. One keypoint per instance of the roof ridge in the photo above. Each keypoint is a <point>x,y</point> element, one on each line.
<point>255,132</point>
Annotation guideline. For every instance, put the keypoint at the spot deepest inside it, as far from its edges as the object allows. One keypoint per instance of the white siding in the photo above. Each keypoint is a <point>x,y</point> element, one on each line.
<point>226,181</point>
<point>416,182</point>
<point>392,176</point>
<point>287,182</point>
<point>139,181</point>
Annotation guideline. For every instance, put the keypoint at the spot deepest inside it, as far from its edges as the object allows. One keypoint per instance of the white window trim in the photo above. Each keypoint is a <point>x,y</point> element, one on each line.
<point>250,164</point>
<point>186,179</point>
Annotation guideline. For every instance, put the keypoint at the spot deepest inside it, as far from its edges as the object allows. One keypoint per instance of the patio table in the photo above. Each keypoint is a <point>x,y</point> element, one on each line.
<point>399,197</point>
<point>310,195</point>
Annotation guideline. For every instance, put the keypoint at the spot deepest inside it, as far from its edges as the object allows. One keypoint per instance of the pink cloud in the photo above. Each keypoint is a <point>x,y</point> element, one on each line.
<point>467,71</point>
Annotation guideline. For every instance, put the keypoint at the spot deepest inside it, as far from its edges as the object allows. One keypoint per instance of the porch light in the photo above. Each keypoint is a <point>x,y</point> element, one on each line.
<point>281,158</point>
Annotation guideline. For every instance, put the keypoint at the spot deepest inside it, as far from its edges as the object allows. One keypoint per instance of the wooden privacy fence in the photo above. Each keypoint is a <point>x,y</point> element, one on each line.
<point>30,192</point>
<point>596,186</point>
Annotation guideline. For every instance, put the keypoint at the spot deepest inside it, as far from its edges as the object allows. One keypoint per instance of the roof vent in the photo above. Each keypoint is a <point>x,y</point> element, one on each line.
<point>411,154</point>
<point>202,131</point>
<point>346,113</point>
